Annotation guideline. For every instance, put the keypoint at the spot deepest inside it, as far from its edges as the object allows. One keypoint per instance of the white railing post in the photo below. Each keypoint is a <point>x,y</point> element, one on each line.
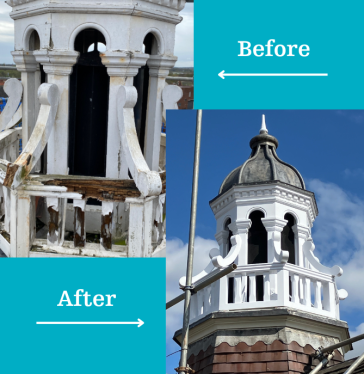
<point>306,291</point>
<point>295,287</point>
<point>329,298</point>
<point>244,288</point>
<point>79,223</point>
<point>106,225</point>
<point>252,288</point>
<point>55,224</point>
<point>266,277</point>
<point>283,286</point>
<point>237,288</point>
<point>13,222</point>
<point>318,303</point>
<point>136,218</point>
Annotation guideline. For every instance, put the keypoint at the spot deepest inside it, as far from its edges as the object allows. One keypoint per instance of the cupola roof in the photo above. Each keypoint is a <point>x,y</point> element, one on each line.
<point>263,165</point>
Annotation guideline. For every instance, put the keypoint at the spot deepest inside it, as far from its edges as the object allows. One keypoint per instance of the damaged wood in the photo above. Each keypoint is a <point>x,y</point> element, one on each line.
<point>17,171</point>
<point>53,227</point>
<point>164,181</point>
<point>106,229</point>
<point>102,189</point>
<point>79,238</point>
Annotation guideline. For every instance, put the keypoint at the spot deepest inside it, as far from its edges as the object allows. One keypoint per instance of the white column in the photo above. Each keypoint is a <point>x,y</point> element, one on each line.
<point>301,234</point>
<point>58,65</point>
<point>28,66</point>
<point>273,225</point>
<point>159,67</point>
<point>122,67</point>
<point>241,228</point>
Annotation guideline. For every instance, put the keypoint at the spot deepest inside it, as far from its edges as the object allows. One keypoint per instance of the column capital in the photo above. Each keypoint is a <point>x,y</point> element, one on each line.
<point>57,62</point>
<point>123,63</point>
<point>25,61</point>
<point>274,224</point>
<point>160,65</point>
<point>240,227</point>
<point>302,231</point>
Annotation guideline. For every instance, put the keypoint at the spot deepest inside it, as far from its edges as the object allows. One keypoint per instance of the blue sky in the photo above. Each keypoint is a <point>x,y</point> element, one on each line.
<point>325,146</point>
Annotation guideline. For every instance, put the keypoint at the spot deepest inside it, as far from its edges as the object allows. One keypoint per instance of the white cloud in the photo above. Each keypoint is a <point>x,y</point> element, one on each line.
<point>355,173</point>
<point>184,38</point>
<point>176,268</point>
<point>339,237</point>
<point>358,346</point>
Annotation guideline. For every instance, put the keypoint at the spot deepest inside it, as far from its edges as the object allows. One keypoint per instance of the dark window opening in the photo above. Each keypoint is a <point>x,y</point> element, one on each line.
<point>288,239</point>
<point>257,248</point>
<point>88,109</point>
<point>34,41</point>
<point>141,83</point>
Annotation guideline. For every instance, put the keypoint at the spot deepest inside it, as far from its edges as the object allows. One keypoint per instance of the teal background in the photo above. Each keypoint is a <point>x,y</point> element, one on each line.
<point>333,29</point>
<point>31,290</point>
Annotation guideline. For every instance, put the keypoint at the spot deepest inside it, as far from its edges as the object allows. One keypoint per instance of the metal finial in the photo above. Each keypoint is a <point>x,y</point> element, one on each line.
<point>263,129</point>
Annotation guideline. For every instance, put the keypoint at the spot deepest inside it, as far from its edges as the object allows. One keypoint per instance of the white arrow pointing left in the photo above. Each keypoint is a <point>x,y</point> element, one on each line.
<point>139,323</point>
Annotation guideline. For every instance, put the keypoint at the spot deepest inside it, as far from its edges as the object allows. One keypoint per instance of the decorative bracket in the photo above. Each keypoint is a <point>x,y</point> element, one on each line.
<point>308,248</point>
<point>280,255</point>
<point>16,172</point>
<point>148,182</point>
<point>14,89</point>
<point>217,261</point>
<point>171,95</point>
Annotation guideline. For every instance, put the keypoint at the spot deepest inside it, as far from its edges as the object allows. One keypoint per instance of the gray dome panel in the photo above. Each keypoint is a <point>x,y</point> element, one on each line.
<point>263,166</point>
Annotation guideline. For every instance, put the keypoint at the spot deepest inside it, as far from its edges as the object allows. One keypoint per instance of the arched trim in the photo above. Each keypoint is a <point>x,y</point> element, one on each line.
<point>250,211</point>
<point>159,37</point>
<point>224,222</point>
<point>297,221</point>
<point>26,36</point>
<point>88,25</point>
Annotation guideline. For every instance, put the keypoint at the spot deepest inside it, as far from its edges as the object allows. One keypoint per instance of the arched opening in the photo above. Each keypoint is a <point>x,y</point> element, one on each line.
<point>34,41</point>
<point>39,77</point>
<point>141,83</point>
<point>288,238</point>
<point>257,248</point>
<point>227,248</point>
<point>88,107</point>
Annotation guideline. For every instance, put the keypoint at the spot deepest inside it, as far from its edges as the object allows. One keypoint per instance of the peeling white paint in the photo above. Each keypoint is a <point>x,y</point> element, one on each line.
<point>79,204</point>
<point>107,207</point>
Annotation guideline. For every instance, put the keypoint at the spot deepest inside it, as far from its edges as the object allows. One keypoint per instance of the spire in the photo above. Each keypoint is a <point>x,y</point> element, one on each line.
<point>263,129</point>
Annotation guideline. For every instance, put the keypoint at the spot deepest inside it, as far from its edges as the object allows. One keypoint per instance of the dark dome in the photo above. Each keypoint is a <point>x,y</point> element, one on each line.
<point>263,165</point>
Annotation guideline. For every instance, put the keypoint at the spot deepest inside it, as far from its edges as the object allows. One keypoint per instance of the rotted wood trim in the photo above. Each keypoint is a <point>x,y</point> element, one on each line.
<point>164,182</point>
<point>103,189</point>
<point>53,227</point>
<point>79,228</point>
<point>106,232</point>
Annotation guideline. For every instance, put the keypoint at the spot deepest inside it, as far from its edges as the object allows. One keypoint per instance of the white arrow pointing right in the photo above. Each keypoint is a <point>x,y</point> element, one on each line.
<point>139,323</point>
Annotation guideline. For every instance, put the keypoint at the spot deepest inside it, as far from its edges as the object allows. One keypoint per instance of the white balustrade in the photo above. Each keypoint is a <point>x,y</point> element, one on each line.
<point>297,287</point>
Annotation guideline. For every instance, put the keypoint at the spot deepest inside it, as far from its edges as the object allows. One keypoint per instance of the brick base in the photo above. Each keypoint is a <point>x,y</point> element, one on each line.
<point>258,358</point>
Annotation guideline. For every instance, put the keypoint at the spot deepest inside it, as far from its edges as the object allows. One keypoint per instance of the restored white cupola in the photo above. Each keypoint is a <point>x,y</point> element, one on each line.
<point>279,290</point>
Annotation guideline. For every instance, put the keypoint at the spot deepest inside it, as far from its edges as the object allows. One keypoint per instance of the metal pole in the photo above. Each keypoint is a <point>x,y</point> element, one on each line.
<point>202,285</point>
<point>341,344</point>
<point>191,247</point>
<point>322,364</point>
<point>357,362</point>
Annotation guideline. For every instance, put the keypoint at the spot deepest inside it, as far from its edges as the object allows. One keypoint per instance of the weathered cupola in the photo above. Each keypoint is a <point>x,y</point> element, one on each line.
<point>280,304</point>
<point>106,62</point>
